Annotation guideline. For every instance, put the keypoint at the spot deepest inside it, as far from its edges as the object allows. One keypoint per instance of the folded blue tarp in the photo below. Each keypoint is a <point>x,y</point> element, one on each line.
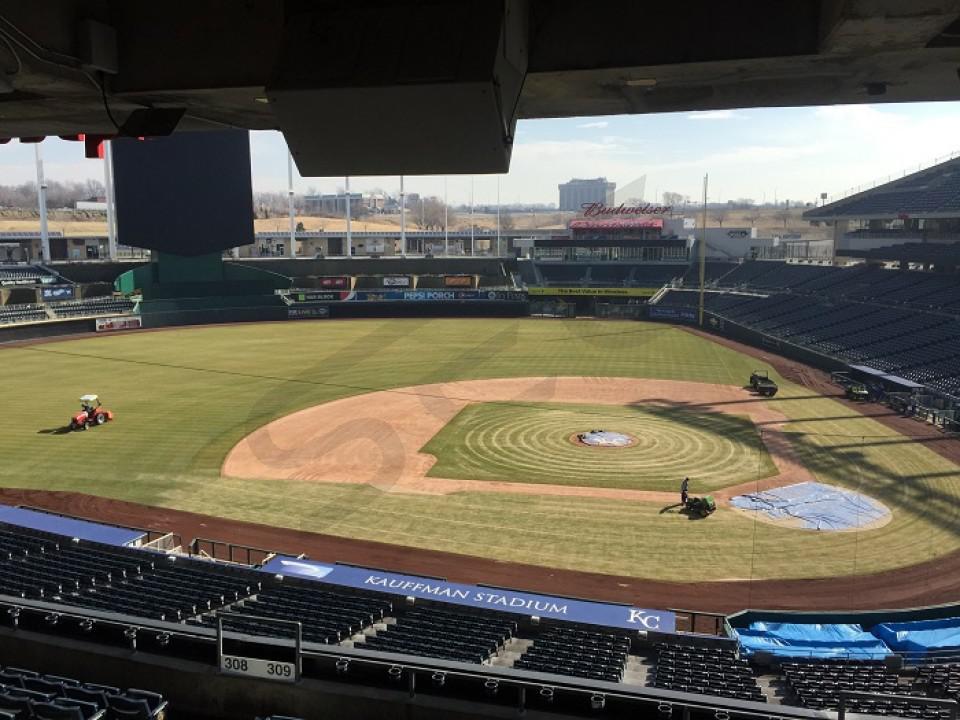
<point>921,635</point>
<point>795,640</point>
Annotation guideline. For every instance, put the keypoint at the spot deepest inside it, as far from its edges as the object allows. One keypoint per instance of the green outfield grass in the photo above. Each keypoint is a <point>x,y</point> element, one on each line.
<point>184,397</point>
<point>530,443</point>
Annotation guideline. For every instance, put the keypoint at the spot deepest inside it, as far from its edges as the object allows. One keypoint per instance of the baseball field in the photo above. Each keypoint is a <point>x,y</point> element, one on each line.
<point>459,436</point>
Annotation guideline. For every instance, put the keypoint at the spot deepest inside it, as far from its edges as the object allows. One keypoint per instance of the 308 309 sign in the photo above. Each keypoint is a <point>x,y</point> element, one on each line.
<point>258,668</point>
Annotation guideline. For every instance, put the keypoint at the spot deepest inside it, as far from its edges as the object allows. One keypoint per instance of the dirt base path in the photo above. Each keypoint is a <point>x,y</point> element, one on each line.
<point>924,584</point>
<point>376,438</point>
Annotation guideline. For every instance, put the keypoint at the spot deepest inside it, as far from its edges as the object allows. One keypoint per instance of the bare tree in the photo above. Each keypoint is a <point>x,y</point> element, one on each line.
<point>506,220</point>
<point>784,215</point>
<point>433,214</point>
<point>718,215</point>
<point>672,198</point>
<point>751,216</point>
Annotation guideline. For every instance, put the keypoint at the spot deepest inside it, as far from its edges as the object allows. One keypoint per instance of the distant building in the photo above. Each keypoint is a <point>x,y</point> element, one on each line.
<point>578,191</point>
<point>336,204</point>
<point>91,205</point>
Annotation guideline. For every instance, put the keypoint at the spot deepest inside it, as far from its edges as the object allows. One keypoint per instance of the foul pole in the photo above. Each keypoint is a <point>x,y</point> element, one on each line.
<point>703,248</point>
<point>498,216</point>
<point>403,220</point>
<point>446,230</point>
<point>293,218</point>
<point>349,228</point>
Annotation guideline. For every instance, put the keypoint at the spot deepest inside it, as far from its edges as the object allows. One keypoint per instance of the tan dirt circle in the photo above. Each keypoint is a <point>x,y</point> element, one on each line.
<point>375,438</point>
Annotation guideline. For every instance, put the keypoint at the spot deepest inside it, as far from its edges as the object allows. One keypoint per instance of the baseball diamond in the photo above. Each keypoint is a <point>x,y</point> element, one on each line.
<point>464,451</point>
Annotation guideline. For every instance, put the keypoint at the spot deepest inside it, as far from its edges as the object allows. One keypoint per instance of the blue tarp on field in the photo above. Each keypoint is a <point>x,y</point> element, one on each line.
<point>794,640</point>
<point>921,635</point>
<point>814,506</point>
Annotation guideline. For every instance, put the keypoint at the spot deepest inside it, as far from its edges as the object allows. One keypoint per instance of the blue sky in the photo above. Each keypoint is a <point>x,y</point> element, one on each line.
<point>794,153</point>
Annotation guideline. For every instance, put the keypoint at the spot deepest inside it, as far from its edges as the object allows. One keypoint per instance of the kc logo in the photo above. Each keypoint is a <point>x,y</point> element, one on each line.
<point>639,617</point>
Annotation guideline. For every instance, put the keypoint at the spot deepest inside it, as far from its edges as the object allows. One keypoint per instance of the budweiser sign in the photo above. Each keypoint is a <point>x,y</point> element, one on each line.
<point>599,209</point>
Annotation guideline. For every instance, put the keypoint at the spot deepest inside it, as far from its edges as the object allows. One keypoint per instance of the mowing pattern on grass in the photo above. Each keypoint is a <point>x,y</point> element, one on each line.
<point>184,397</point>
<point>530,443</point>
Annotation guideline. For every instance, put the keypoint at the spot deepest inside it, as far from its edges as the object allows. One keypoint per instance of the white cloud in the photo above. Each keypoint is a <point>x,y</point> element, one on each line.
<point>595,124</point>
<point>715,115</point>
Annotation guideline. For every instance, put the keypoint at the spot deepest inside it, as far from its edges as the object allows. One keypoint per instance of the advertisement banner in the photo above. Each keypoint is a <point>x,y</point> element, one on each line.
<point>308,312</point>
<point>502,600</point>
<point>109,324</point>
<point>458,281</point>
<point>58,292</point>
<point>594,292</point>
<point>339,283</point>
<point>320,296</point>
<point>396,281</point>
<point>673,313</point>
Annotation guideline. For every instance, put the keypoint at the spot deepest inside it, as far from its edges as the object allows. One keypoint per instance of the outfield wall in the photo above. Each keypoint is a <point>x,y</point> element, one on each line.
<point>35,331</point>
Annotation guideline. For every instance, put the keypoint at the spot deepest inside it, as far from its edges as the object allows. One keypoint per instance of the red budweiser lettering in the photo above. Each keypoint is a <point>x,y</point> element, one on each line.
<point>597,209</point>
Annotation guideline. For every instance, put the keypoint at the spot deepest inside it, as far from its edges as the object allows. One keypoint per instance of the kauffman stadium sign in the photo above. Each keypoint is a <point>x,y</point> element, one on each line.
<point>596,209</point>
<point>511,601</point>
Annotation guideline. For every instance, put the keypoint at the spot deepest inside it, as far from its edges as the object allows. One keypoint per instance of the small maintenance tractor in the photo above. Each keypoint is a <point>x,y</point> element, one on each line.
<point>762,384</point>
<point>91,413</point>
<point>858,392</point>
<point>701,506</point>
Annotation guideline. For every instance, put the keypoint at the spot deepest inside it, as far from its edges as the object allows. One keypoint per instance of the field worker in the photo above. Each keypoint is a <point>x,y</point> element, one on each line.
<point>684,491</point>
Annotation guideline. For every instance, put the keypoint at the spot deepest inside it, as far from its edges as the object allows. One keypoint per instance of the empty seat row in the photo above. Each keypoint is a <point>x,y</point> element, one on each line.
<point>27,694</point>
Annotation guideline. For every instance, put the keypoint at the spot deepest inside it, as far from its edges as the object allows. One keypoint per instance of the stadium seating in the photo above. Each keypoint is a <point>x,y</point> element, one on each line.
<point>452,634</point>
<point>937,680</point>
<point>21,313</point>
<point>817,685</point>
<point>705,671</point>
<point>328,617</point>
<point>581,653</point>
<point>26,694</point>
<point>601,274</point>
<point>24,275</point>
<point>91,306</point>
<point>114,579</point>
<point>845,320</point>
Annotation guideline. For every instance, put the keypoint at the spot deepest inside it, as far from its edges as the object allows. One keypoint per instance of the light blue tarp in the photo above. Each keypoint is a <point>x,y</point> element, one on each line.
<point>921,635</point>
<point>793,640</point>
<point>814,506</point>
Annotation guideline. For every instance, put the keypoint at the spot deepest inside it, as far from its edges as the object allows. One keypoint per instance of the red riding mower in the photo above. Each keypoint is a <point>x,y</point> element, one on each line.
<point>91,413</point>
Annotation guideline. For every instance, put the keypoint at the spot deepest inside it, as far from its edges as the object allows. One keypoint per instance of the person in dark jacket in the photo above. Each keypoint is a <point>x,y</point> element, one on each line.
<point>684,491</point>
